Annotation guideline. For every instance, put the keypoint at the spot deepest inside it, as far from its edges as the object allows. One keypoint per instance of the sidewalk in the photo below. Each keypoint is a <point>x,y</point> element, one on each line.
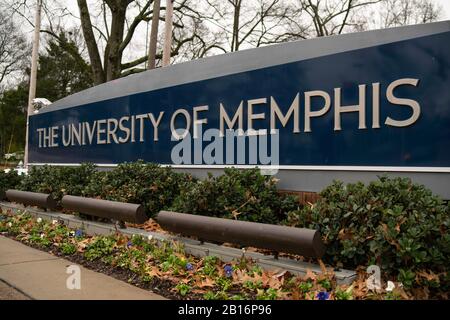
<point>40,275</point>
<point>9,293</point>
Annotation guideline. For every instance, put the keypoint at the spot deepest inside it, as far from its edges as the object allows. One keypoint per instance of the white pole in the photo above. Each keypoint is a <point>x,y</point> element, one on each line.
<point>154,36</point>
<point>168,33</point>
<point>34,58</point>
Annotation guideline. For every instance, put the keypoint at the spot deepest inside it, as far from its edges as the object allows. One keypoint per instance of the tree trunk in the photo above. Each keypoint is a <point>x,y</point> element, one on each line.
<point>237,13</point>
<point>94,55</point>
<point>113,54</point>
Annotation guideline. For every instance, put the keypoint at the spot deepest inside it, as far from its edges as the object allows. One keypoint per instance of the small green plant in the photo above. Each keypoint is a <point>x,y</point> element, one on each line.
<point>305,287</point>
<point>209,295</point>
<point>219,295</point>
<point>68,248</point>
<point>147,278</point>
<point>209,265</point>
<point>174,263</point>
<point>253,285</point>
<point>210,260</point>
<point>99,248</point>
<point>325,283</point>
<point>238,297</point>
<point>36,238</point>
<point>268,294</point>
<point>183,288</point>
<point>256,269</point>
<point>406,277</point>
<point>224,283</point>
<point>343,294</point>
<point>138,240</point>
<point>123,259</point>
<point>392,296</point>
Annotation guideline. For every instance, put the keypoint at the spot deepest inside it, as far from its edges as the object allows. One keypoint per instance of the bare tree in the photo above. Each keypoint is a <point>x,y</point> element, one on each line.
<point>121,18</point>
<point>318,18</point>
<point>324,18</point>
<point>13,48</point>
<point>405,12</point>
<point>113,30</point>
<point>248,23</point>
<point>191,39</point>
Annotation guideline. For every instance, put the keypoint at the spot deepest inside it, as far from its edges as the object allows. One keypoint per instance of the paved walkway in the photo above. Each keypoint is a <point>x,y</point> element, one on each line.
<point>34,274</point>
<point>9,293</point>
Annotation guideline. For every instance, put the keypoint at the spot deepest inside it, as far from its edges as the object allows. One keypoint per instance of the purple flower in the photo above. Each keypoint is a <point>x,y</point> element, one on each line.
<point>79,233</point>
<point>323,295</point>
<point>189,266</point>
<point>228,270</point>
<point>129,244</point>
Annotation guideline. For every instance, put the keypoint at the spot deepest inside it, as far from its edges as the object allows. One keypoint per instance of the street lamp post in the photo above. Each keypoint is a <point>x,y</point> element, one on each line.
<point>168,33</point>
<point>34,58</point>
<point>154,35</point>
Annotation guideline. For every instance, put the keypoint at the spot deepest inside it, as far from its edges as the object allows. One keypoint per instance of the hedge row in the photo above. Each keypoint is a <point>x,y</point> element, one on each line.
<point>9,180</point>
<point>245,195</point>
<point>393,223</point>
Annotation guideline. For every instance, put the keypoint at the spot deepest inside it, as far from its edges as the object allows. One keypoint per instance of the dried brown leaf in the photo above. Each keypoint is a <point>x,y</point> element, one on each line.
<point>310,275</point>
<point>204,283</point>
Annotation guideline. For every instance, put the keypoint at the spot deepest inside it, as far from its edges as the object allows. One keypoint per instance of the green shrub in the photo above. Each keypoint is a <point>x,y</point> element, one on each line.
<point>149,184</point>
<point>58,181</point>
<point>239,194</point>
<point>242,194</point>
<point>9,180</point>
<point>393,223</point>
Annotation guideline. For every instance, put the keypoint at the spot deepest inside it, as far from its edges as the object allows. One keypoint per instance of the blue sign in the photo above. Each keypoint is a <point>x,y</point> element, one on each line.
<point>384,103</point>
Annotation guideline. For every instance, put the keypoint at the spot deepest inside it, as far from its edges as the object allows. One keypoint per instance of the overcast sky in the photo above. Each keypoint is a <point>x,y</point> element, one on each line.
<point>136,48</point>
<point>446,6</point>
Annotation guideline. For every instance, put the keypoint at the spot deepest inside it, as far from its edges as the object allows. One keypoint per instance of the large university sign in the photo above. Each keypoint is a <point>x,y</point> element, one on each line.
<point>346,107</point>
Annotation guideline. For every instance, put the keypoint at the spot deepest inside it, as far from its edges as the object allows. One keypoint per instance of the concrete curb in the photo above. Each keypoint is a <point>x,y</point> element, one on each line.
<point>193,247</point>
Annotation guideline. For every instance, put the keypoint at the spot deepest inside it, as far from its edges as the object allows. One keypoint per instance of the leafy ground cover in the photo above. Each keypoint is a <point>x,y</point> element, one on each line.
<point>166,269</point>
